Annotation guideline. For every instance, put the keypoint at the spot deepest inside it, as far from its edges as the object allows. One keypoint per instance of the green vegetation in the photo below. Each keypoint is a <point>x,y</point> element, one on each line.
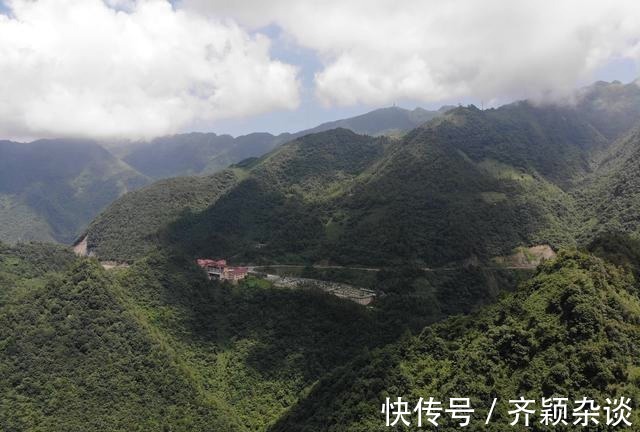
<point>610,197</point>
<point>27,265</point>
<point>613,108</point>
<point>392,121</point>
<point>208,153</point>
<point>21,223</point>
<point>130,227</point>
<point>352,199</point>
<point>195,153</point>
<point>74,359</point>
<point>468,185</point>
<point>572,331</point>
<point>51,189</point>
<point>157,346</point>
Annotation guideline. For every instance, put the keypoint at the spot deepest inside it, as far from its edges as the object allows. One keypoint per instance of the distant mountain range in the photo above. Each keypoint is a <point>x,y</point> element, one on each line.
<point>419,218</point>
<point>51,189</point>
<point>207,153</point>
<point>469,184</point>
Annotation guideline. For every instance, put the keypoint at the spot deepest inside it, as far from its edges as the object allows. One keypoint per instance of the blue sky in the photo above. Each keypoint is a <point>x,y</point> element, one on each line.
<point>311,113</point>
<point>142,68</point>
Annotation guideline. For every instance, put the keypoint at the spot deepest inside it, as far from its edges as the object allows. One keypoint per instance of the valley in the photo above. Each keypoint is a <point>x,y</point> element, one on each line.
<point>470,255</point>
<point>44,199</point>
<point>319,216</point>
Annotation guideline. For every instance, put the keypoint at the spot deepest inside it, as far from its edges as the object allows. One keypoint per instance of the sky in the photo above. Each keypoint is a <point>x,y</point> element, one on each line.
<point>136,69</point>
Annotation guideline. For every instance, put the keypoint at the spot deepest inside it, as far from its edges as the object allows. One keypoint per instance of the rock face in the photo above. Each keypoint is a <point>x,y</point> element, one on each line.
<point>525,257</point>
<point>81,248</point>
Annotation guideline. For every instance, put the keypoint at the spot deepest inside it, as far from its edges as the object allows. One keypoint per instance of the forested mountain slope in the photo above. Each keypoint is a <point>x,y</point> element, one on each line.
<point>274,194</point>
<point>610,197</point>
<point>195,153</point>
<point>208,153</point>
<point>131,226</point>
<point>157,346</point>
<point>613,108</point>
<point>74,357</point>
<point>572,330</point>
<point>469,184</point>
<point>384,121</point>
<point>447,191</point>
<point>51,189</point>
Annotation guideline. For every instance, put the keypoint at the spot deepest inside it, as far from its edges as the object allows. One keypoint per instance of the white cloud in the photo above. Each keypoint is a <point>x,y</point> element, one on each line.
<point>124,68</point>
<point>375,52</point>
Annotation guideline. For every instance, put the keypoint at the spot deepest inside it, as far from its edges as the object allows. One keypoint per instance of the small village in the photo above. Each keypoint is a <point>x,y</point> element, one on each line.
<point>217,269</point>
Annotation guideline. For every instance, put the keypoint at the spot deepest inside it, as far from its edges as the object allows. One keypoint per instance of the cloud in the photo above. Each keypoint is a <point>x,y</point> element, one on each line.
<point>123,68</point>
<point>375,52</point>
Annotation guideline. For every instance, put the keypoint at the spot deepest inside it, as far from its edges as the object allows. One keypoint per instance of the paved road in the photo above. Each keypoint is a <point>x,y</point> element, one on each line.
<point>377,269</point>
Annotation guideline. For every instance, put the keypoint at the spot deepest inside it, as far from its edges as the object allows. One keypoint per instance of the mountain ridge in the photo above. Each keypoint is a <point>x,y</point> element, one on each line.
<point>61,184</point>
<point>473,184</point>
<point>39,210</point>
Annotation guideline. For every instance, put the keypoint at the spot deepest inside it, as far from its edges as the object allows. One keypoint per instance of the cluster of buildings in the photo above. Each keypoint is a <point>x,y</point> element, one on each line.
<point>219,270</point>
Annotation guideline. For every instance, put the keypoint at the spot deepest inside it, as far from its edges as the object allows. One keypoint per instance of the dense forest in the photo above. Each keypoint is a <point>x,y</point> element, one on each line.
<point>570,331</point>
<point>467,185</point>
<point>434,213</point>
<point>158,346</point>
<point>51,189</point>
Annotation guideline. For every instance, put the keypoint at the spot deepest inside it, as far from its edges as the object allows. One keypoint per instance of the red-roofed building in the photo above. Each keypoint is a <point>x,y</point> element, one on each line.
<point>207,263</point>
<point>236,273</point>
<point>218,269</point>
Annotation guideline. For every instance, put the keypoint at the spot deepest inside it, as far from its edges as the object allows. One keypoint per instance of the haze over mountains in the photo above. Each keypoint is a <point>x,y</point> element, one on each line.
<point>468,184</point>
<point>569,137</point>
<point>207,153</point>
<point>177,255</point>
<point>51,189</point>
<point>155,345</point>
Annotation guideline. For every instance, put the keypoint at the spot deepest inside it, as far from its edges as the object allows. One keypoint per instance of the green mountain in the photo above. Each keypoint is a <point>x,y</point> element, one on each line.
<point>208,153</point>
<point>157,346</point>
<point>140,215</point>
<point>610,196</point>
<point>468,184</point>
<point>570,331</point>
<point>471,183</point>
<point>384,121</point>
<point>51,189</point>
<point>613,108</point>
<point>195,153</point>
<point>74,357</point>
